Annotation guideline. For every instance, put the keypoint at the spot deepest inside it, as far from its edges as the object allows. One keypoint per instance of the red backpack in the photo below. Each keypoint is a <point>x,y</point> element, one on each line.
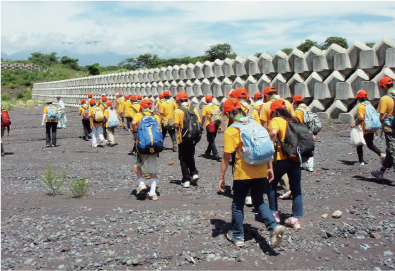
<point>5,118</point>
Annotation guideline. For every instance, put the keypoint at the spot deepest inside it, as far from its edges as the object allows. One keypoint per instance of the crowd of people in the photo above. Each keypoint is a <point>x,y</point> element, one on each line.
<point>259,142</point>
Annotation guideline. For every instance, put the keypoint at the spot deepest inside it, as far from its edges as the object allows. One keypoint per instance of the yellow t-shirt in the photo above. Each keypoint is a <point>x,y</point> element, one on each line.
<point>246,109</point>
<point>46,111</point>
<point>386,105</point>
<point>91,115</point>
<point>207,112</point>
<point>299,114</point>
<point>107,115</point>
<point>265,112</point>
<point>242,170</point>
<point>361,109</point>
<point>137,107</point>
<point>280,125</point>
<point>179,119</point>
<point>82,109</point>
<point>139,116</point>
<point>127,104</point>
<point>120,101</point>
<point>255,115</point>
<point>103,107</point>
<point>166,108</point>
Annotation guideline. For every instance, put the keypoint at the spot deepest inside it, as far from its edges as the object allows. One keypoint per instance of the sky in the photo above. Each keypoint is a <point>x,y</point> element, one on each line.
<point>178,29</point>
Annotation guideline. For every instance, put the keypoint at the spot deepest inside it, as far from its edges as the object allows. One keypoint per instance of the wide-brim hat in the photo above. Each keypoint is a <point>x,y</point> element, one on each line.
<point>49,101</point>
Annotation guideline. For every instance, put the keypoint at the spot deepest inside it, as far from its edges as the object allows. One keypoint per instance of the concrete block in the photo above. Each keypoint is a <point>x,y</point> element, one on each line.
<point>150,75</point>
<point>346,91</point>
<point>198,70</point>
<point>263,82</point>
<point>136,78</point>
<point>238,83</point>
<point>354,51</point>
<point>330,55</point>
<point>349,117</point>
<point>217,68</point>
<point>188,88</point>
<point>342,62</point>
<point>316,106</point>
<point>251,84</point>
<point>141,76</point>
<point>227,67</point>
<point>368,59</point>
<point>154,89</point>
<point>190,71</point>
<point>181,86</point>
<point>148,89</point>
<point>295,54</point>
<point>283,66</point>
<point>278,80</point>
<point>265,64</point>
<point>133,89</point>
<point>162,74</point>
<point>173,88</point>
<point>226,86</point>
<point>205,86</point>
<point>196,87</point>
<point>390,58</point>
<point>238,66</point>
<point>160,87</point>
<point>166,85</point>
<point>373,91</point>
<point>310,56</point>
<point>335,109</point>
<point>286,90</point>
<point>194,102</point>
<point>326,91</point>
<point>279,55</point>
<point>169,74</point>
<point>138,89</point>
<point>306,89</point>
<point>381,49</point>
<point>208,69</point>
<point>251,65</point>
<point>175,72</point>
<point>183,72</point>
<point>216,88</point>
<point>156,75</point>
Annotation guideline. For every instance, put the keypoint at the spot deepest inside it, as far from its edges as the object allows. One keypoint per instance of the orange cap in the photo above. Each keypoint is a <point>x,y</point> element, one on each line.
<point>145,103</point>
<point>104,98</point>
<point>133,97</point>
<point>209,98</point>
<point>240,93</point>
<point>161,96</point>
<point>118,94</point>
<point>139,97</point>
<point>126,97</point>
<point>109,103</point>
<point>92,101</point>
<point>257,95</point>
<point>386,80</point>
<point>182,96</point>
<point>231,104</point>
<point>166,93</point>
<point>269,89</point>
<point>90,95</point>
<point>297,98</point>
<point>276,105</point>
<point>361,94</point>
<point>83,101</point>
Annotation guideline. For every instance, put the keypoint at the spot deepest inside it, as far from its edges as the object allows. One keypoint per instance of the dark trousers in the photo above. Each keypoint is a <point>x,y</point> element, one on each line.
<point>211,141</point>
<point>128,122</point>
<point>172,134</point>
<point>369,143</point>
<point>87,128</point>
<point>48,127</point>
<point>186,155</point>
<point>240,190</point>
<point>390,151</point>
<point>105,132</point>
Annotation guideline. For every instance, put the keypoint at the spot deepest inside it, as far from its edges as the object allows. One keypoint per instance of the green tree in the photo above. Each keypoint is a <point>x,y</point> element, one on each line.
<point>70,62</point>
<point>338,40</point>
<point>288,50</point>
<point>370,44</point>
<point>93,69</point>
<point>52,59</point>
<point>219,51</point>
<point>41,59</point>
<point>306,45</point>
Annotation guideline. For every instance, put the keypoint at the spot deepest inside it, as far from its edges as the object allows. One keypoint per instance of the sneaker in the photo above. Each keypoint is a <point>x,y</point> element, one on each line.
<point>48,145</point>
<point>206,155</point>
<point>382,157</point>
<point>357,164</point>
<point>195,178</point>
<point>248,201</point>
<point>142,188</point>
<point>285,195</point>
<point>378,174</point>
<point>216,157</point>
<point>186,184</point>
<point>152,197</point>
<point>310,169</point>
<point>106,141</point>
<point>276,236</point>
<point>277,217</point>
<point>293,223</point>
<point>229,236</point>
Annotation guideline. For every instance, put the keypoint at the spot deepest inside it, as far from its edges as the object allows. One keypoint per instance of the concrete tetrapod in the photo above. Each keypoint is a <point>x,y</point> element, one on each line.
<point>227,68</point>
<point>286,90</point>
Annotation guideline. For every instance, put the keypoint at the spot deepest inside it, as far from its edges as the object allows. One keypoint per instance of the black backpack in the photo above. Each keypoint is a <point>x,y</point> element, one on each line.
<point>298,142</point>
<point>191,131</point>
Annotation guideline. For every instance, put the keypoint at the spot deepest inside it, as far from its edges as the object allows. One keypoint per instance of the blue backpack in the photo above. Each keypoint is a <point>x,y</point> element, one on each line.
<point>112,119</point>
<point>149,136</point>
<point>391,120</point>
<point>52,113</point>
<point>372,119</point>
<point>258,149</point>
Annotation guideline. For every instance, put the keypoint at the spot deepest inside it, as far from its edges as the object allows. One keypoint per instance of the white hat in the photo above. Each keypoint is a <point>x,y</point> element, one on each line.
<point>103,94</point>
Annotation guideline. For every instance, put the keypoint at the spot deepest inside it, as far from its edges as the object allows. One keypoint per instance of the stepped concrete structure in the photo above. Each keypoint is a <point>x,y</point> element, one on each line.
<point>328,80</point>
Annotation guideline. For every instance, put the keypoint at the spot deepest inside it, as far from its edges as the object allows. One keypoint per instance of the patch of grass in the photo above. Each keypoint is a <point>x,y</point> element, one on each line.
<point>329,120</point>
<point>78,188</point>
<point>5,97</point>
<point>52,180</point>
<point>7,105</point>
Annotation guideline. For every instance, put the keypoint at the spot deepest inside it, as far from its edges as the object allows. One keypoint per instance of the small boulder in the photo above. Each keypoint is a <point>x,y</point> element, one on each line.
<point>337,214</point>
<point>324,216</point>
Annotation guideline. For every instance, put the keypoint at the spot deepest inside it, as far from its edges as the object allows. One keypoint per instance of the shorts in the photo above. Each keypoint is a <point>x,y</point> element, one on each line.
<point>151,161</point>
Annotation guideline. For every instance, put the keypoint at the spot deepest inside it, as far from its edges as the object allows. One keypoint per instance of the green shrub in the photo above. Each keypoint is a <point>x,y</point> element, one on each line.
<point>19,95</point>
<point>12,85</point>
<point>329,120</point>
<point>5,97</point>
<point>78,188</point>
<point>51,180</point>
<point>7,105</point>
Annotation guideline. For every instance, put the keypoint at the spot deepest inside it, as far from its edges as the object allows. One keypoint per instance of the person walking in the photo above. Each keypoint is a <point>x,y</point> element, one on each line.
<point>184,119</point>
<point>362,97</point>
<point>127,104</point>
<point>258,103</point>
<point>111,122</point>
<point>279,115</point>
<point>62,114</point>
<point>213,125</point>
<point>245,177</point>
<point>120,110</point>
<point>103,106</point>
<point>96,117</point>
<point>386,110</point>
<point>90,97</point>
<point>166,111</point>
<point>5,124</point>
<point>160,97</point>
<point>50,117</point>
<point>84,113</point>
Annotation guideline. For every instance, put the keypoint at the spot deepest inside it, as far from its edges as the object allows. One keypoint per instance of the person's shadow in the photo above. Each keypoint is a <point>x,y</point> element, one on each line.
<point>144,195</point>
<point>227,193</point>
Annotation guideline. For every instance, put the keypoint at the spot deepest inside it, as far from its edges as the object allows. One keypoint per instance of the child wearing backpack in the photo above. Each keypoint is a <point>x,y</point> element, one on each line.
<point>362,97</point>
<point>213,125</point>
<point>189,132</point>
<point>246,176</point>
<point>120,109</point>
<point>111,122</point>
<point>166,111</point>
<point>96,118</point>
<point>282,164</point>
<point>50,117</point>
<point>84,113</point>
<point>145,125</point>
<point>5,124</point>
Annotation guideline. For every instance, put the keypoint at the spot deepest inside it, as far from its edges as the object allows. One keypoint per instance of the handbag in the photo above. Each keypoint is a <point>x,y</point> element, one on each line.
<point>357,138</point>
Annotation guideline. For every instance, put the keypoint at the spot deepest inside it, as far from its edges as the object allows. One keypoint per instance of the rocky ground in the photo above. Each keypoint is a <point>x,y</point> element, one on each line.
<point>112,229</point>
